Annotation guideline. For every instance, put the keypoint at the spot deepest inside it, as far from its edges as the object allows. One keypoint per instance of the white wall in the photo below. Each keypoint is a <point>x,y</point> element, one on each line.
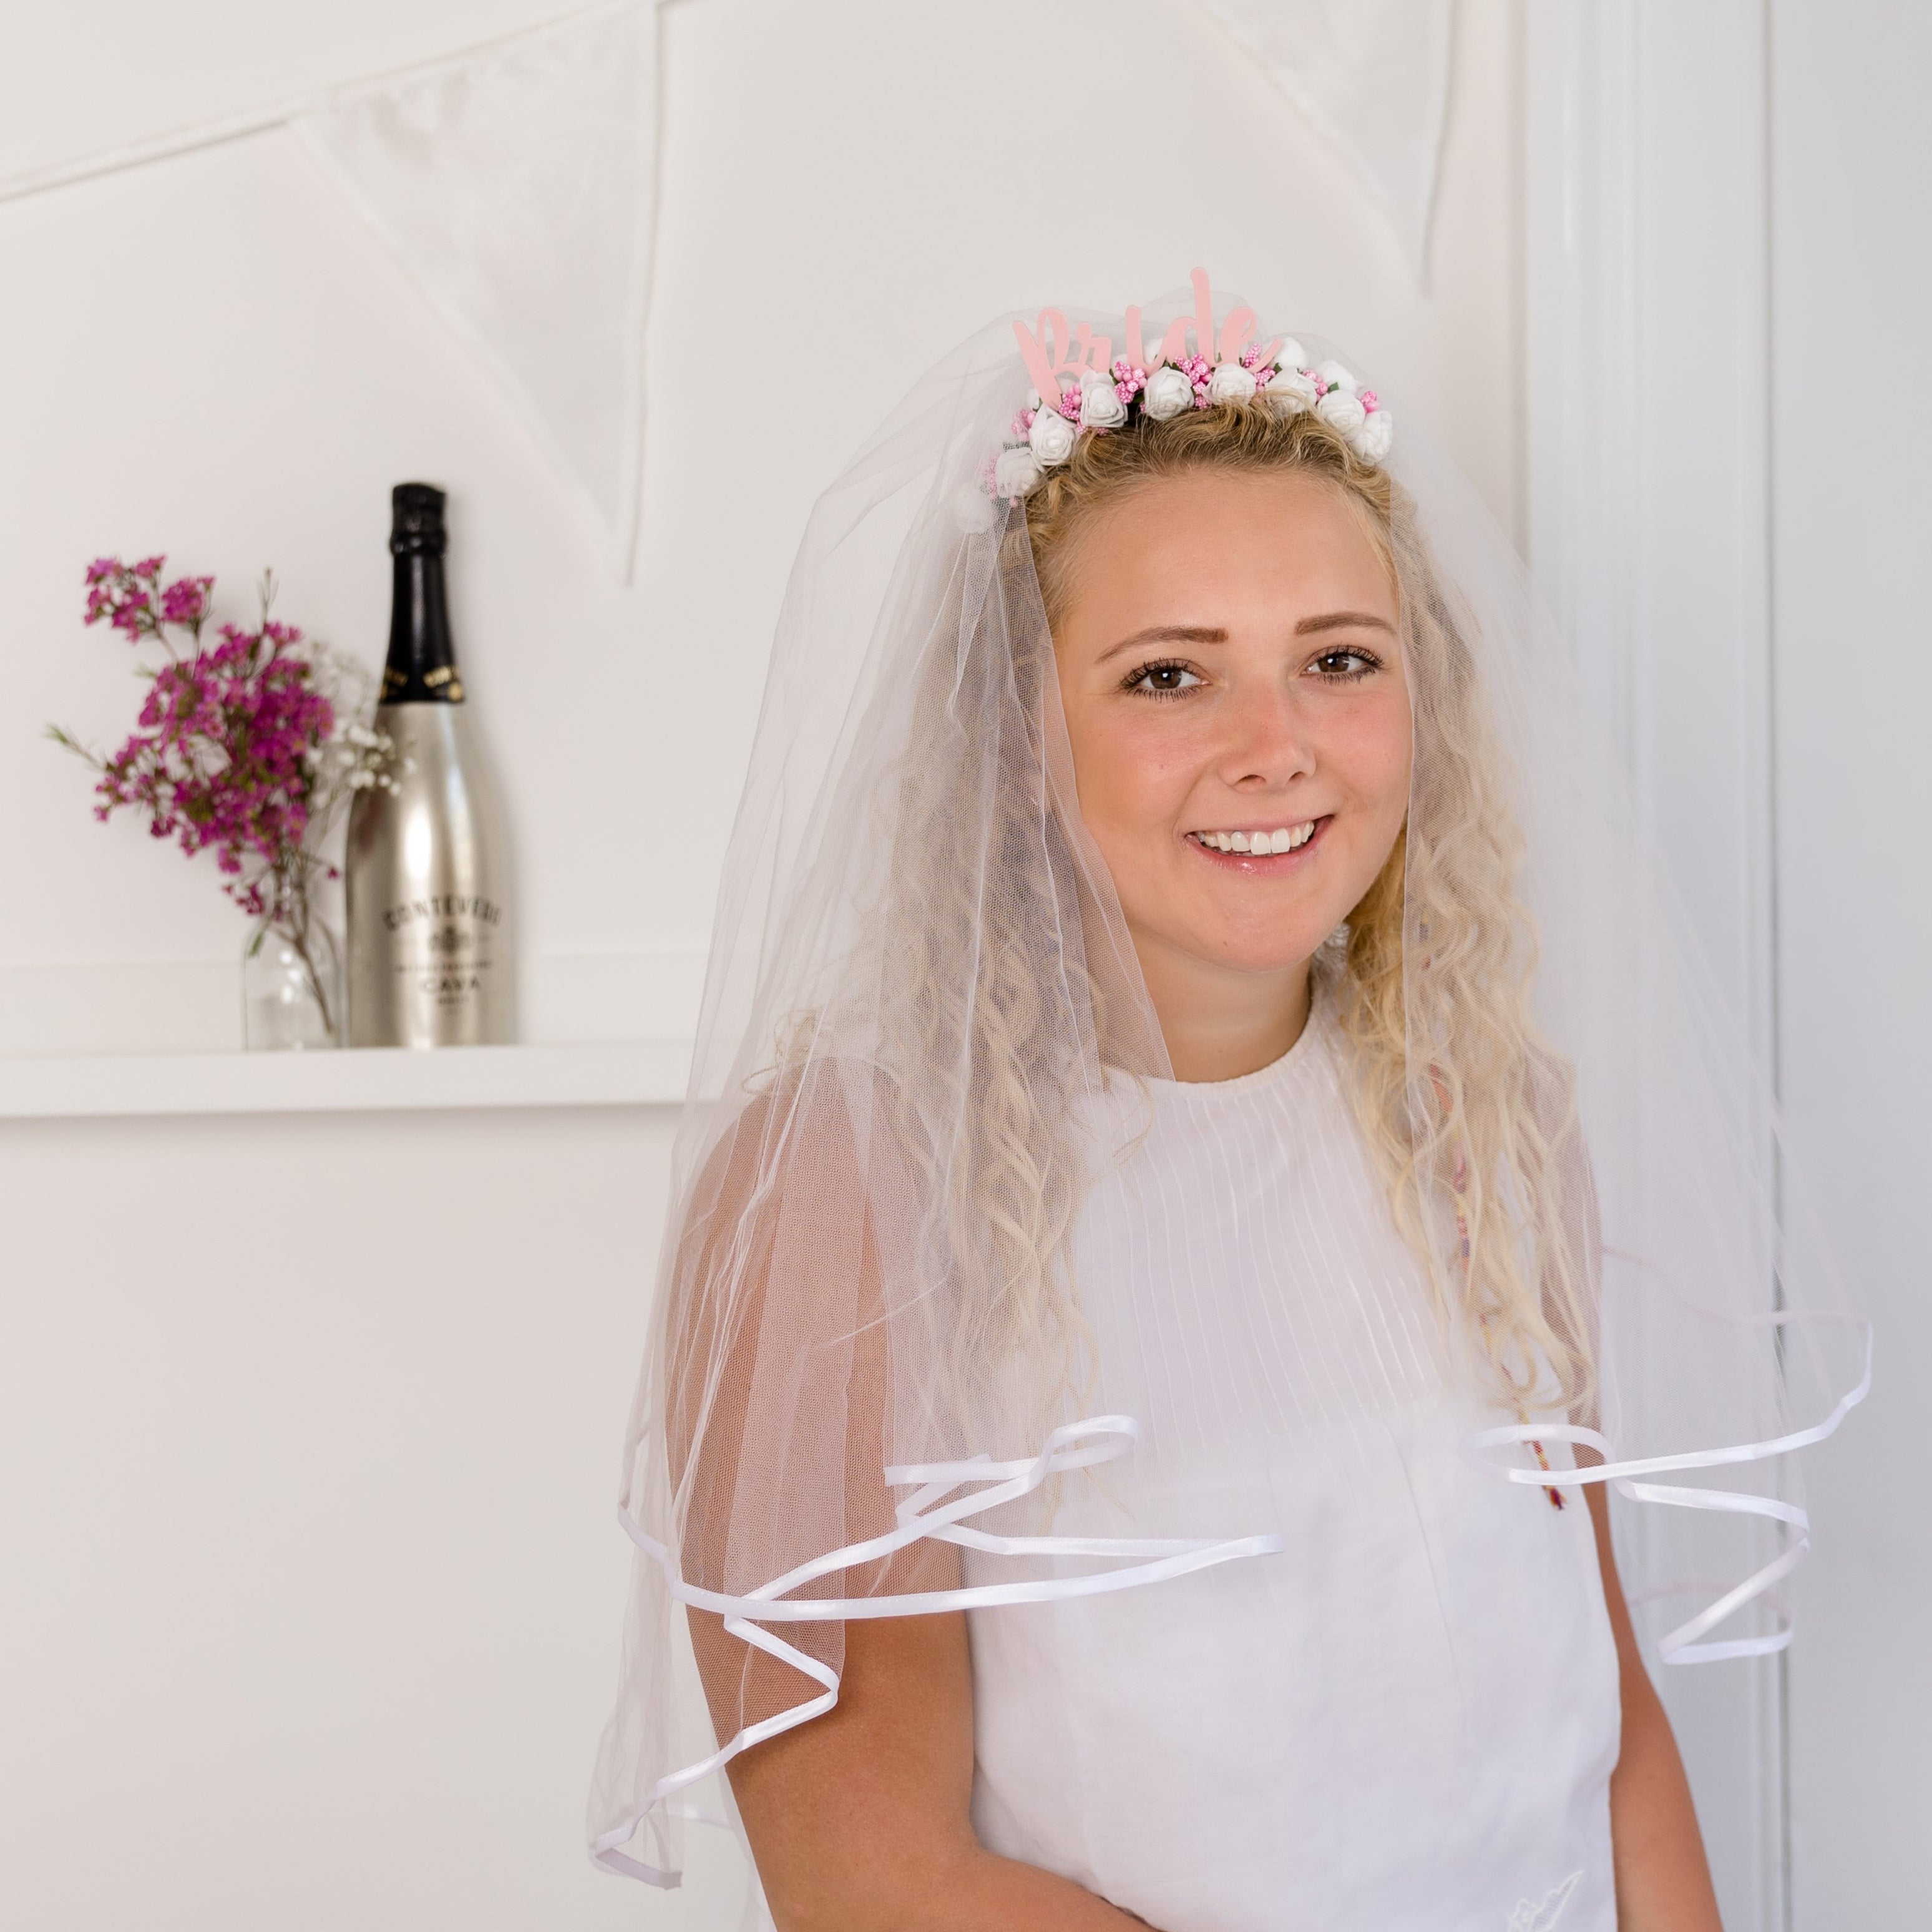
<point>213,357</point>
<point>1851,163</point>
<point>311,1586</point>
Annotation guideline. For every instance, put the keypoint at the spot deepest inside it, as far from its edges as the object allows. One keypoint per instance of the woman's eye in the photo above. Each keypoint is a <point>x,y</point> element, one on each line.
<point>1162,680</point>
<point>1347,664</point>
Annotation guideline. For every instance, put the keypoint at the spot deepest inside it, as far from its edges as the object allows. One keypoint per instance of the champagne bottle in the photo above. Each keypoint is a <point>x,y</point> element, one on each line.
<point>429,962</point>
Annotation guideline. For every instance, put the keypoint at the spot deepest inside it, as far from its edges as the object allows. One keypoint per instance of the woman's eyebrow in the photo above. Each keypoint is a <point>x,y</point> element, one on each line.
<point>1166,633</point>
<point>1342,620</point>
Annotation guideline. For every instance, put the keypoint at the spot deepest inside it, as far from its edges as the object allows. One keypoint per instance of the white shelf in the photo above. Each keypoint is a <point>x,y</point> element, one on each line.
<point>625,1073</point>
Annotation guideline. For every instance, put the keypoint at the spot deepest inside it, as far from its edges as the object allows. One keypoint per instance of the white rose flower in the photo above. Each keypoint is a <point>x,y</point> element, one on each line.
<point>1291,354</point>
<point>1230,383</point>
<point>1169,393</point>
<point>1051,438</point>
<point>1016,474</point>
<point>1340,410</point>
<point>1373,440</point>
<point>1100,404</point>
<point>1337,377</point>
<point>1289,392</point>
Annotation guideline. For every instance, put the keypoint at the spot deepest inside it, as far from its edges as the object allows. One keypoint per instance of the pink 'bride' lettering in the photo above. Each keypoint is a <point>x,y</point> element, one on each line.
<point>1058,351</point>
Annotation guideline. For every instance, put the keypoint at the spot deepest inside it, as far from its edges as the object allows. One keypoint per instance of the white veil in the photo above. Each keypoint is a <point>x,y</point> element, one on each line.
<point>866,1351</point>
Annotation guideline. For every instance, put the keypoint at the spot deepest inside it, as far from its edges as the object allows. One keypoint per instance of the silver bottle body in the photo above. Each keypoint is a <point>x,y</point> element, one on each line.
<point>430,959</point>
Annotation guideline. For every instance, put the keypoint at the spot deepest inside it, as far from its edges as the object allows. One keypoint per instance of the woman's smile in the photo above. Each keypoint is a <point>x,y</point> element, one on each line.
<point>1256,851</point>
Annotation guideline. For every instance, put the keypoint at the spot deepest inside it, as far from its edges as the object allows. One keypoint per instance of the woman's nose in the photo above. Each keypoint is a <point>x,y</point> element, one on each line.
<point>1269,742</point>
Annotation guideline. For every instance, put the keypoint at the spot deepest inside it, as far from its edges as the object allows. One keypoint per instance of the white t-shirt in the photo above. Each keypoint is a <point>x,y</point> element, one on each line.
<point>1406,1721</point>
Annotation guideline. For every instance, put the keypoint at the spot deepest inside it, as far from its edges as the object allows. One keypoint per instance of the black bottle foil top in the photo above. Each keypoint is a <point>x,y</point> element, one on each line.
<point>421,666</point>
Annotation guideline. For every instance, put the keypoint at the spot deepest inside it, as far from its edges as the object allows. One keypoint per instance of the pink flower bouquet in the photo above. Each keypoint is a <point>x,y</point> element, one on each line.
<point>249,746</point>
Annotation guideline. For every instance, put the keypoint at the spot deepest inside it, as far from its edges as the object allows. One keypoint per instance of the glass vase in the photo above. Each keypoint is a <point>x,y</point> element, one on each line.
<point>292,987</point>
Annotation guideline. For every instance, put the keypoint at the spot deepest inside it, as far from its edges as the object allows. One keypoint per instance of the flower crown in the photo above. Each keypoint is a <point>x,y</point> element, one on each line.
<point>1080,387</point>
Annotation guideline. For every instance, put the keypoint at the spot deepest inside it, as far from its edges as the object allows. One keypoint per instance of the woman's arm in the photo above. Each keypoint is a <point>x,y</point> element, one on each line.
<point>1663,1883</point>
<point>860,1820</point>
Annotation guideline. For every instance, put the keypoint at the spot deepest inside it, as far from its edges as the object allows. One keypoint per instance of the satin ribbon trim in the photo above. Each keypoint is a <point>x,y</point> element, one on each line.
<point>927,1513</point>
<point>1681,1645</point>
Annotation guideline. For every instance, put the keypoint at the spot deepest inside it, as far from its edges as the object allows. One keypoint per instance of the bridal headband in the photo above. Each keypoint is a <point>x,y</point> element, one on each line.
<point>1079,386</point>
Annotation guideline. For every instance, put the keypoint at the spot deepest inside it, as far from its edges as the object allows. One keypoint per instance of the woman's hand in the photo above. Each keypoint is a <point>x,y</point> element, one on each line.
<point>1663,1881</point>
<point>860,1820</point>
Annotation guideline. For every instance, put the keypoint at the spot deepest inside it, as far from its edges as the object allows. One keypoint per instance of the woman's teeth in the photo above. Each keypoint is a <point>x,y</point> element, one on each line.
<point>1286,840</point>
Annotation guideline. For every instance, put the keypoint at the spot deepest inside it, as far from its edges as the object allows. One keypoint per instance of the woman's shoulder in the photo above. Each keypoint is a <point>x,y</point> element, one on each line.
<point>822,1126</point>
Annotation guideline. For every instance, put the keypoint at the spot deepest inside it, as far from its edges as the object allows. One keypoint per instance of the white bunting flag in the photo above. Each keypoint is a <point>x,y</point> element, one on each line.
<point>515,185</point>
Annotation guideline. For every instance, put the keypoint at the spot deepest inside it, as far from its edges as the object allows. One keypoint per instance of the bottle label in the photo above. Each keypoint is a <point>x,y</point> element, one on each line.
<point>443,952</point>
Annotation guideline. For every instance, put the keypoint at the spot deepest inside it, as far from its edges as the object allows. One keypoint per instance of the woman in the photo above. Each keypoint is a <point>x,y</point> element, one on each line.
<point>1136,1304</point>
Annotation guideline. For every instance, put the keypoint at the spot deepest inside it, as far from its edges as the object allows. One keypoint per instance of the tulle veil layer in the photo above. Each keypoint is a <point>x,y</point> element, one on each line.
<point>866,1353</point>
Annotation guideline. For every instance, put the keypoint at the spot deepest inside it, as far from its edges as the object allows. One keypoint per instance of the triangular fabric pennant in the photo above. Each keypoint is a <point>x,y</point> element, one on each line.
<point>1372,78</point>
<point>515,184</point>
